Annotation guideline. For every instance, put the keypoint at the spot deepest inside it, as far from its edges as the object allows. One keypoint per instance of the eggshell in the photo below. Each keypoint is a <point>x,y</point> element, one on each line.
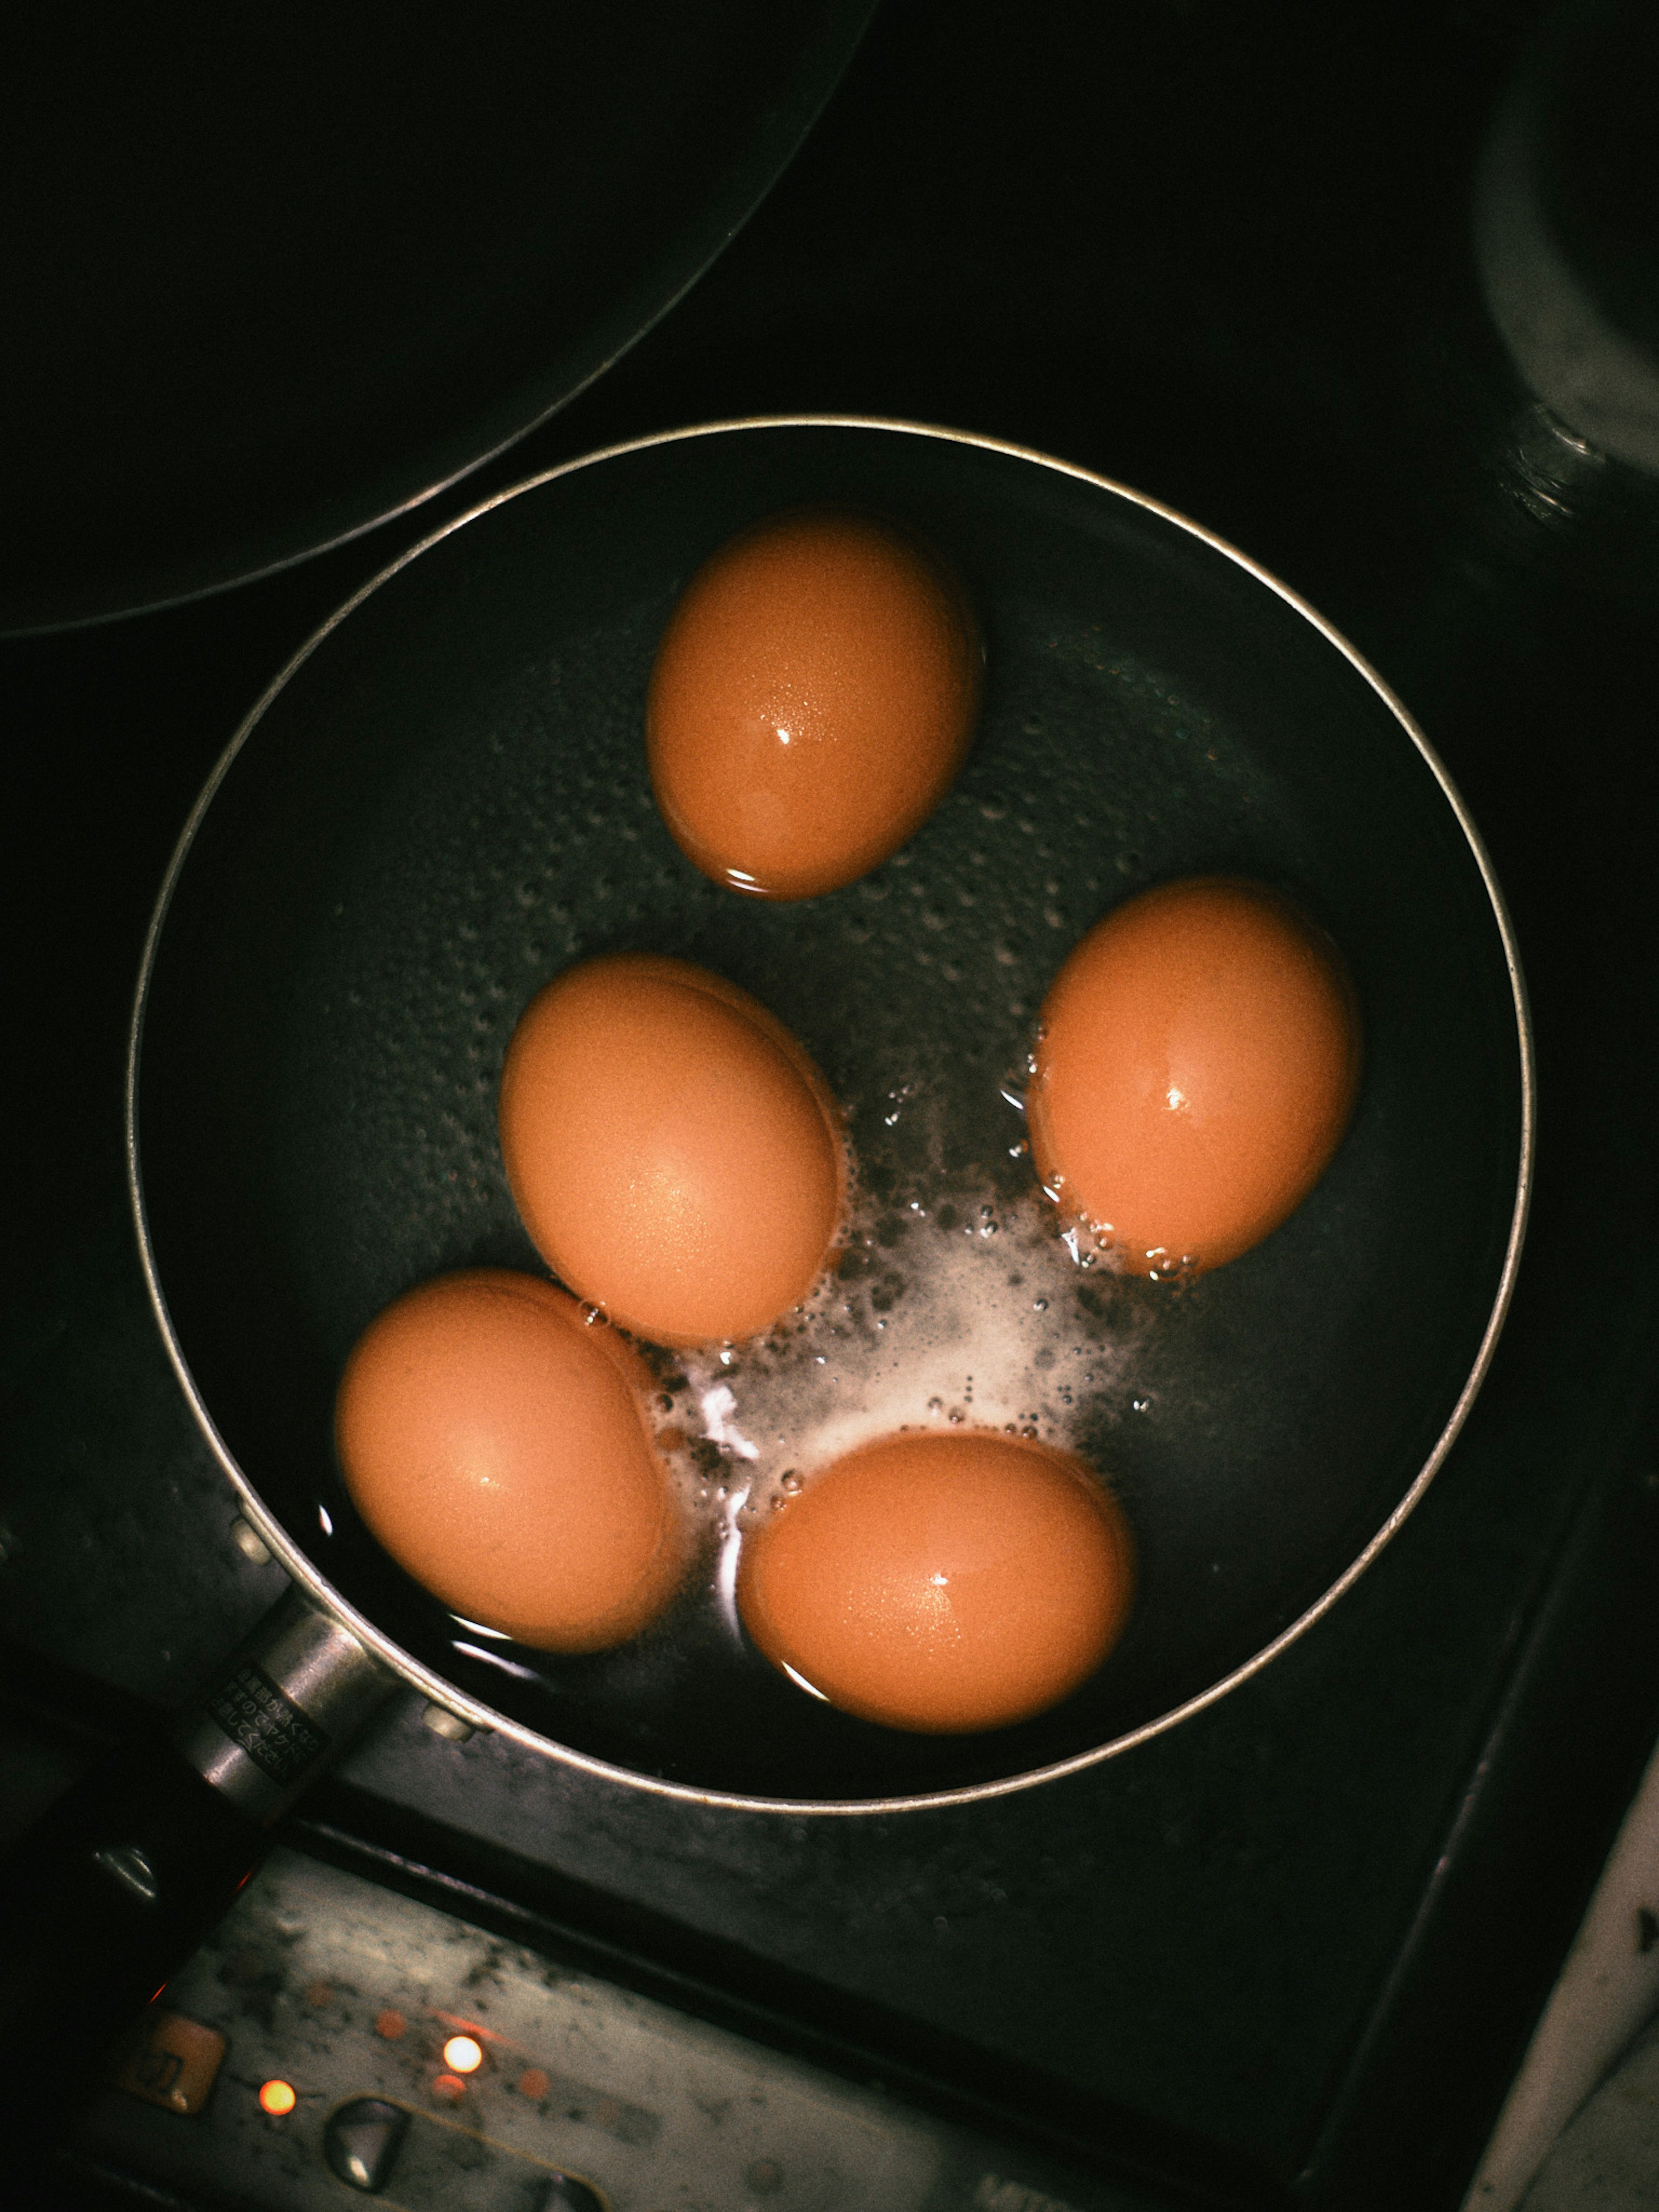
<point>812,700</point>
<point>941,1582</point>
<point>496,1443</point>
<point>1198,1060</point>
<point>674,1153</point>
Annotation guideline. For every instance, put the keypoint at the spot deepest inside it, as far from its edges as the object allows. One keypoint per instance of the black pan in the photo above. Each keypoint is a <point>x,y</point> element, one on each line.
<point>442,800</point>
<point>272,278</point>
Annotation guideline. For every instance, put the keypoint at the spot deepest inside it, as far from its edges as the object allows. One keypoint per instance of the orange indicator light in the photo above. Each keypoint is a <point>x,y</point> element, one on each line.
<point>277,2098</point>
<point>464,2054</point>
<point>449,2087</point>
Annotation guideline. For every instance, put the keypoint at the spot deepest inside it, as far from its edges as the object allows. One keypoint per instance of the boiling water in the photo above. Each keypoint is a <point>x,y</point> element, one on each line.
<point>499,858</point>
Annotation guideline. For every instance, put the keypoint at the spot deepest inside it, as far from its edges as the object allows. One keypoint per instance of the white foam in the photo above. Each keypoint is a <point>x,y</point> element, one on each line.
<point>970,1316</point>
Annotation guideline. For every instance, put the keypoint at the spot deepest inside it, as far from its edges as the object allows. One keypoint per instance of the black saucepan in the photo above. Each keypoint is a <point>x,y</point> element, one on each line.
<point>443,801</point>
<point>271,279</point>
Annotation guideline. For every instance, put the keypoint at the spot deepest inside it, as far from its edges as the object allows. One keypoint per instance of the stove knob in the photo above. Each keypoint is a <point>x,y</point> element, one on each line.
<point>562,2192</point>
<point>361,2141</point>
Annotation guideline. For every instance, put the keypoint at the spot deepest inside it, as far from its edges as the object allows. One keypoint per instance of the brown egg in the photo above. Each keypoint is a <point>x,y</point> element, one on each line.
<point>1198,1060</point>
<point>674,1153</point>
<point>496,1446</point>
<point>941,1582</point>
<point>812,700</point>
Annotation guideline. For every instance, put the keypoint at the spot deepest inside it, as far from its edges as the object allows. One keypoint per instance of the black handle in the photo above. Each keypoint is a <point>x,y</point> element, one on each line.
<point>103,1900</point>
<point>106,1898</point>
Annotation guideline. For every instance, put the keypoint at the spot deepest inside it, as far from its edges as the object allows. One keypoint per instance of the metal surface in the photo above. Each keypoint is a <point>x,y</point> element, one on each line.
<point>1195,607</point>
<point>298,1690</point>
<point>349,1992</point>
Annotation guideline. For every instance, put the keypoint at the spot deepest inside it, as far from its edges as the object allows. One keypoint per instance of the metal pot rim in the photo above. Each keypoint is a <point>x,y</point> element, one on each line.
<point>472,1710</point>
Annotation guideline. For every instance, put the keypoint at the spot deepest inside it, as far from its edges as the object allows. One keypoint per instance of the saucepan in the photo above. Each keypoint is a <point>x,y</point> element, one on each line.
<point>443,801</point>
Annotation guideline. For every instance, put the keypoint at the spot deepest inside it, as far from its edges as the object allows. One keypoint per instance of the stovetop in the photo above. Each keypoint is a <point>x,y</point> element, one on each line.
<point>1292,1952</point>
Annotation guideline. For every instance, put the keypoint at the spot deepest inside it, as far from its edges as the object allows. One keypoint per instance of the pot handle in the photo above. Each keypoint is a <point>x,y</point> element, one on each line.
<point>108,1894</point>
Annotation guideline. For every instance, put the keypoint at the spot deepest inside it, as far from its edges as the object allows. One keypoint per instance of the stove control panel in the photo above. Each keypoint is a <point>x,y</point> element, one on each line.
<point>366,2047</point>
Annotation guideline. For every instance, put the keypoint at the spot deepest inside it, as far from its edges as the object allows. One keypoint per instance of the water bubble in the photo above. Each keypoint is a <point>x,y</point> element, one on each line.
<point>792,1483</point>
<point>1039,1305</point>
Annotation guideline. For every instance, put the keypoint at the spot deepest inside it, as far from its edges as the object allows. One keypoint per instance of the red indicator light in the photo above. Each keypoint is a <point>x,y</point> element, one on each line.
<point>533,2084</point>
<point>449,2087</point>
<point>463,2054</point>
<point>392,2025</point>
<point>277,2098</point>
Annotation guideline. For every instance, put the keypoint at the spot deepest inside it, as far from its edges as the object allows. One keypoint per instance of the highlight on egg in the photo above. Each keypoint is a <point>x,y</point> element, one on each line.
<point>673,1150</point>
<point>941,1583</point>
<point>1197,1064</point>
<point>496,1444</point>
<point>812,699</point>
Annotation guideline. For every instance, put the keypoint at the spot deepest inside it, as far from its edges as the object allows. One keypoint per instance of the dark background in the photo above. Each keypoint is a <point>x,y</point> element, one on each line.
<point>1293,1951</point>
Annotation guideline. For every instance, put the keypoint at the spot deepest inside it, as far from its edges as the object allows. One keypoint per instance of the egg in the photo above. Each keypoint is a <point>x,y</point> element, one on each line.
<point>674,1153</point>
<point>811,702</point>
<point>1197,1062</point>
<point>495,1444</point>
<point>941,1582</point>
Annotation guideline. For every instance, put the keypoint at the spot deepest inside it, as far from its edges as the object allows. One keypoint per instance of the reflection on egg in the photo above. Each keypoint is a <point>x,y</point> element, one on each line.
<point>811,702</point>
<point>1198,1059</point>
<point>495,1444</point>
<point>941,1582</point>
<point>674,1153</point>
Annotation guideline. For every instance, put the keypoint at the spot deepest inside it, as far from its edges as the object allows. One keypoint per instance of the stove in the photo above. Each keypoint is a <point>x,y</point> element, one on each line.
<point>1292,1952</point>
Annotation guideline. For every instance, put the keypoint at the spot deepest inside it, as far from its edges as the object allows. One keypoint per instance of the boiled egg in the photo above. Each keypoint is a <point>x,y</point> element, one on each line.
<point>674,1153</point>
<point>1197,1064</point>
<point>941,1582</point>
<point>496,1443</point>
<point>811,702</point>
